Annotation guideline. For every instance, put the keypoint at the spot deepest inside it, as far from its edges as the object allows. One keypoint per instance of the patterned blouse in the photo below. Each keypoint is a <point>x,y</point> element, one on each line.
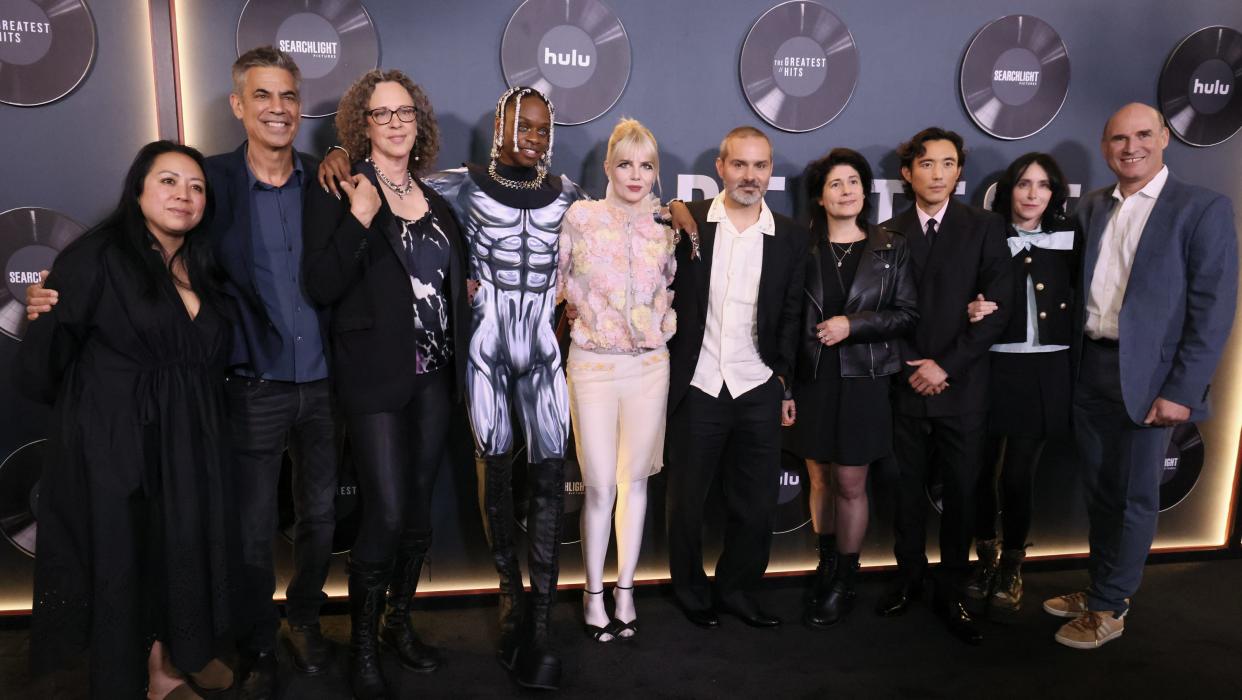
<point>616,264</point>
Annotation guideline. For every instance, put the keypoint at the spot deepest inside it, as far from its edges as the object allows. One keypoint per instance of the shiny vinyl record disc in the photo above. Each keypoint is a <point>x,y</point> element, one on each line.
<point>1015,76</point>
<point>1183,462</point>
<point>574,51</point>
<point>46,49</point>
<point>332,41</point>
<point>30,239</point>
<point>793,510</point>
<point>799,66</point>
<point>19,495</point>
<point>1199,87</point>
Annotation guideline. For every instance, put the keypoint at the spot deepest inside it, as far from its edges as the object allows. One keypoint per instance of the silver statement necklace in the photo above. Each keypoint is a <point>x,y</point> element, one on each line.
<point>400,190</point>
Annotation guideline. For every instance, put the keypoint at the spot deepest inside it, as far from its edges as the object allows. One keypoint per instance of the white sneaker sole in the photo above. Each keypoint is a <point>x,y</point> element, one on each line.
<point>1074,644</point>
<point>1061,612</point>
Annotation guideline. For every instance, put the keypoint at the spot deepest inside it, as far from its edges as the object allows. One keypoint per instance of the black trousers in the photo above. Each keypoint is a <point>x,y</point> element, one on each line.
<point>956,445</point>
<point>398,455</point>
<point>268,418</point>
<point>738,441</point>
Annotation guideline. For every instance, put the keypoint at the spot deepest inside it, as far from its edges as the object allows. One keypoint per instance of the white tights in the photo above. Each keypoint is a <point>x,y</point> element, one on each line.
<point>597,522</point>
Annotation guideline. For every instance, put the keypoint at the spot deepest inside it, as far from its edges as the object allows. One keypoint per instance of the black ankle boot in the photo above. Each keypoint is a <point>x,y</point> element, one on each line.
<point>398,630</point>
<point>821,579</point>
<point>839,600</point>
<point>499,523</point>
<point>538,665</point>
<point>983,575</point>
<point>367,583</point>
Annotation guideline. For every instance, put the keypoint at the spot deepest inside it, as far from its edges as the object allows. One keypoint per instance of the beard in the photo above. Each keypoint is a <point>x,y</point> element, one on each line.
<point>743,198</point>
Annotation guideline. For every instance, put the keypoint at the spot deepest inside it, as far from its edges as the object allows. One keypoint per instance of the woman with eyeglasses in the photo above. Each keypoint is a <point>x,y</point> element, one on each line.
<point>389,261</point>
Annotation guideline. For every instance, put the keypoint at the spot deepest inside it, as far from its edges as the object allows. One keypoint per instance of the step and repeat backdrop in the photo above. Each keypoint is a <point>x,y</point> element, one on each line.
<point>83,83</point>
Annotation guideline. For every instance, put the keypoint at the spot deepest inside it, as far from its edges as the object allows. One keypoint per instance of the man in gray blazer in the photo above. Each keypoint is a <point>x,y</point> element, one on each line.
<point>1157,294</point>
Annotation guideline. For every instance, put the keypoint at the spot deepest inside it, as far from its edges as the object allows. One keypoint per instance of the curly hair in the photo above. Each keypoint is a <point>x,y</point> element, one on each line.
<point>816,174</point>
<point>351,119</point>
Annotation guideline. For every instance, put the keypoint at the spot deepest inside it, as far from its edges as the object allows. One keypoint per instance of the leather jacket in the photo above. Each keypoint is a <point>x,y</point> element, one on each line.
<point>882,306</point>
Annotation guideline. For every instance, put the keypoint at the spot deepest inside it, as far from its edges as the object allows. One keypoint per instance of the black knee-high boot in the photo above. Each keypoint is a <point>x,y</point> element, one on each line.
<point>398,630</point>
<point>499,522</point>
<point>538,665</point>
<point>368,582</point>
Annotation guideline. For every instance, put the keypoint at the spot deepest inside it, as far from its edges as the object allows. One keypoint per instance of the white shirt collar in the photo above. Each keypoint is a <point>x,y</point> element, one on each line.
<point>766,223</point>
<point>938,216</point>
<point>1151,190</point>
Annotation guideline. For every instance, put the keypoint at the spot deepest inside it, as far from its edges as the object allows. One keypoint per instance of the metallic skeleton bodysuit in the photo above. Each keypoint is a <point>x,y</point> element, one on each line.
<point>513,357</point>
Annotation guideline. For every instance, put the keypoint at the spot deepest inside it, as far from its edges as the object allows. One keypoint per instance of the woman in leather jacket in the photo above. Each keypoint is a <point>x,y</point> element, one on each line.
<point>860,297</point>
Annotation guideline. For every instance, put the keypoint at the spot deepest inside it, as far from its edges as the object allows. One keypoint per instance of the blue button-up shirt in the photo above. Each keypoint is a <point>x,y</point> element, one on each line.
<point>276,225</point>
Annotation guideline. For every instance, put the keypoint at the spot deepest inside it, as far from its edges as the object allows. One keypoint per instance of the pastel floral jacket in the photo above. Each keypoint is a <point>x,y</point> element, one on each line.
<point>616,264</point>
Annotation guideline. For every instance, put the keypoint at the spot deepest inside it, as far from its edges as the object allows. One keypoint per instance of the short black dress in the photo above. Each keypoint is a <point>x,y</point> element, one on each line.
<point>843,420</point>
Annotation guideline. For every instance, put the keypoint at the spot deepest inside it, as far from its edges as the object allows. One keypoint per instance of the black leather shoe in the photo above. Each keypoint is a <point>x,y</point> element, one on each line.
<point>310,651</point>
<point>259,681</point>
<point>751,614</point>
<point>960,624</point>
<point>705,617</point>
<point>898,598</point>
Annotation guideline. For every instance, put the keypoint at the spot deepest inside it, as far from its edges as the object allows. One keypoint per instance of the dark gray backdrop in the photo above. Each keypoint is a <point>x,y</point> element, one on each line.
<point>684,84</point>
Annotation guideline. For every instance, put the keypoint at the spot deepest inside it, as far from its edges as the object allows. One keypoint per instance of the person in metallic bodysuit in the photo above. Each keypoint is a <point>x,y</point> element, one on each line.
<point>511,211</point>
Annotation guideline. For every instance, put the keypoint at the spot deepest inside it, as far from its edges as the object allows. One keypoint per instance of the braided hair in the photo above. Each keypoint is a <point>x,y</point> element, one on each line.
<point>517,93</point>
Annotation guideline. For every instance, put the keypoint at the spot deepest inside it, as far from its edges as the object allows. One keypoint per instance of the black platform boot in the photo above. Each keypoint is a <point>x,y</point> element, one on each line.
<point>538,665</point>
<point>983,576</point>
<point>821,579</point>
<point>499,522</point>
<point>839,600</point>
<point>398,630</point>
<point>367,583</point>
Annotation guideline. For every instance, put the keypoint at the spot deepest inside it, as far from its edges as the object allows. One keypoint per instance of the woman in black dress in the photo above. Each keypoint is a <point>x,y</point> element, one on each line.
<point>1030,371</point>
<point>860,297</point>
<point>388,259</point>
<point>133,546</point>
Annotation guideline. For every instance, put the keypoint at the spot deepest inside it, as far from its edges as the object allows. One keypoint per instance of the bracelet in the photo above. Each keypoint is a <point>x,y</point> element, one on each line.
<point>342,149</point>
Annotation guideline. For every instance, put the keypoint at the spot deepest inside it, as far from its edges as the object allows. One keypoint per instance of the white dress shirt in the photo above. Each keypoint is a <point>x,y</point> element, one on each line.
<point>1117,246</point>
<point>730,353</point>
<point>924,218</point>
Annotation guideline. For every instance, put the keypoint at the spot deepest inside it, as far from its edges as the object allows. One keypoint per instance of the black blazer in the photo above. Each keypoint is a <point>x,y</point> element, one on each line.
<point>234,248</point>
<point>779,303</point>
<point>970,257</point>
<point>363,275</point>
<point>882,306</point>
<point>1052,273</point>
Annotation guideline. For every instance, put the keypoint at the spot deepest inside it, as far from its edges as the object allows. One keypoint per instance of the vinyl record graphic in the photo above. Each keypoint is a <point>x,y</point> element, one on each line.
<point>793,510</point>
<point>1182,465</point>
<point>1198,90</point>
<point>46,49</point>
<point>19,495</point>
<point>574,51</point>
<point>332,41</point>
<point>799,66</point>
<point>1015,76</point>
<point>30,238</point>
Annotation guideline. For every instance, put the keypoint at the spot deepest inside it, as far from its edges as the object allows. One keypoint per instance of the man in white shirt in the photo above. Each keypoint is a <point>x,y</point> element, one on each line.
<point>1160,286</point>
<point>737,297</point>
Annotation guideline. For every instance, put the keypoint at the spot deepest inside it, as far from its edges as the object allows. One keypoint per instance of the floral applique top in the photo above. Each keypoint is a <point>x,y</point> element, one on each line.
<point>616,264</point>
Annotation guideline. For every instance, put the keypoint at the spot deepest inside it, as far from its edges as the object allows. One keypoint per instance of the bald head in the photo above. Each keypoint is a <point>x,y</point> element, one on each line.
<point>1133,145</point>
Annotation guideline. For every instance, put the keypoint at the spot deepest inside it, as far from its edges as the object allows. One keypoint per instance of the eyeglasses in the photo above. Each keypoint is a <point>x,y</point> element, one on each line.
<point>383,115</point>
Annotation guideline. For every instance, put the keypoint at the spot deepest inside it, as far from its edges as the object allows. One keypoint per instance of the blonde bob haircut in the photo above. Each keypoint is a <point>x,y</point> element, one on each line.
<point>629,136</point>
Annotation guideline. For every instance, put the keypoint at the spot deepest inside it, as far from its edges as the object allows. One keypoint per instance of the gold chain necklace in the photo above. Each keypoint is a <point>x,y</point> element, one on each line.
<point>517,184</point>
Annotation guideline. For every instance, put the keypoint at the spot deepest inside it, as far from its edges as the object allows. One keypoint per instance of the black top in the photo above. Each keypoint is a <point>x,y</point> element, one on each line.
<point>839,277</point>
<point>539,198</point>
<point>137,431</point>
<point>427,249</point>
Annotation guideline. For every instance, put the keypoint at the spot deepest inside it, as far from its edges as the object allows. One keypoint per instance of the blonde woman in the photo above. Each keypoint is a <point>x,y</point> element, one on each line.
<point>616,263</point>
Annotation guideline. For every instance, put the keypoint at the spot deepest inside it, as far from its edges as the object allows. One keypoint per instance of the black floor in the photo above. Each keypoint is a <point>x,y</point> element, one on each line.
<point>1183,640</point>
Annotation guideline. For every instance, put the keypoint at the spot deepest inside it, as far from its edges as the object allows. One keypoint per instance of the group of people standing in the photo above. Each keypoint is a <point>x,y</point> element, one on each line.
<point>236,306</point>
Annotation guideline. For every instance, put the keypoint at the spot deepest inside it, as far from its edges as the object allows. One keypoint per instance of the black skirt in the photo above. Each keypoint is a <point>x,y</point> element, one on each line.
<point>842,420</point>
<point>1030,393</point>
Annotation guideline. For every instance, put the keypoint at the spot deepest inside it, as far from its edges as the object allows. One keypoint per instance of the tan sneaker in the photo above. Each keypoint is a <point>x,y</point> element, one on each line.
<point>1070,605</point>
<point>1091,629</point>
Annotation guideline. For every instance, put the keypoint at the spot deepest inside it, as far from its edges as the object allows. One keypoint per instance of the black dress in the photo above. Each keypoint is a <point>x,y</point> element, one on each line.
<point>843,420</point>
<point>133,538</point>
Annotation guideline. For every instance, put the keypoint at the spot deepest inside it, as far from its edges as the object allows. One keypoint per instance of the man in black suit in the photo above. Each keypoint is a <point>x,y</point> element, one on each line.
<point>940,409</point>
<point>737,297</point>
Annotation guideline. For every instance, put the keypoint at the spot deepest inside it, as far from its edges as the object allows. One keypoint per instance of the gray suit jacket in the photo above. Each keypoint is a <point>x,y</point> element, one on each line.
<point>1180,298</point>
